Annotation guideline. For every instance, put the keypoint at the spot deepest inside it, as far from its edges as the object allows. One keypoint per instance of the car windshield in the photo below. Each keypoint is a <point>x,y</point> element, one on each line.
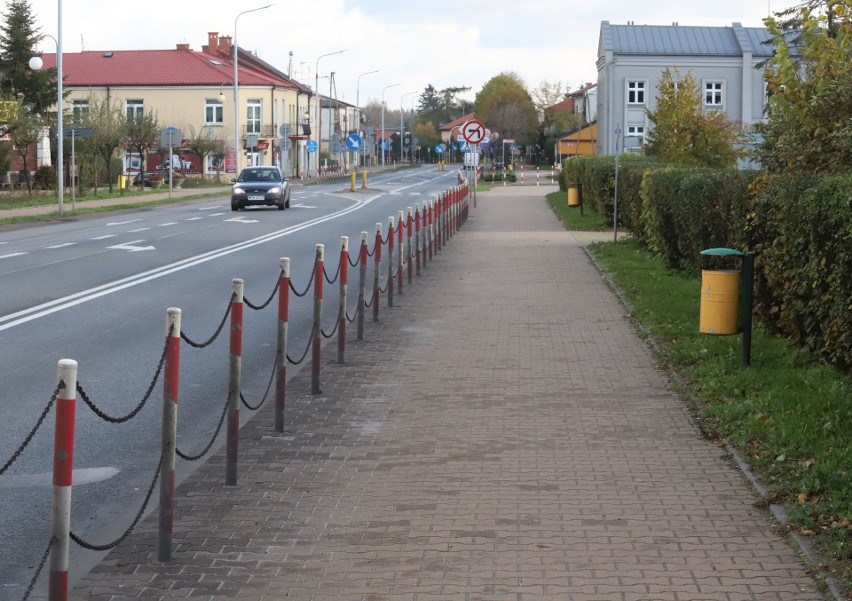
<point>259,175</point>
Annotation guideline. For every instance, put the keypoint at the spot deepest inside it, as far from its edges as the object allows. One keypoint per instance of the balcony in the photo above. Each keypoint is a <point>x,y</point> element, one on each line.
<point>268,130</point>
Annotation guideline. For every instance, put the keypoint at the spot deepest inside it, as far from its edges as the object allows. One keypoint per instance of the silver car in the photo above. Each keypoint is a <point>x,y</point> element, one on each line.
<point>260,186</point>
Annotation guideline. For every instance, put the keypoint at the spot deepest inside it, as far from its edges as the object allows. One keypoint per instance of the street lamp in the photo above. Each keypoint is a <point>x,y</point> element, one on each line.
<point>237,88</point>
<point>401,124</point>
<point>36,63</point>
<point>358,103</point>
<point>317,113</point>
<point>382,135</point>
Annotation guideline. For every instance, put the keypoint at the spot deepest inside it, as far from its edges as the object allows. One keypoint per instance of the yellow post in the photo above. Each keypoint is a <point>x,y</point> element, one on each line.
<point>720,301</point>
<point>354,177</point>
<point>364,179</point>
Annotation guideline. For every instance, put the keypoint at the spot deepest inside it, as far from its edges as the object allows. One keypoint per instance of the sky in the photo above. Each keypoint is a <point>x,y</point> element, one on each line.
<point>445,43</point>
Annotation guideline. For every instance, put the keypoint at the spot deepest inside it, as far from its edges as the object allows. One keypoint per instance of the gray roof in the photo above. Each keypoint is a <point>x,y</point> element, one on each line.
<point>680,40</point>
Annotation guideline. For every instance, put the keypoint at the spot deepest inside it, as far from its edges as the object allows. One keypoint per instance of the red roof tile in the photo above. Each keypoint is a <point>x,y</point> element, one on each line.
<point>459,121</point>
<point>179,67</point>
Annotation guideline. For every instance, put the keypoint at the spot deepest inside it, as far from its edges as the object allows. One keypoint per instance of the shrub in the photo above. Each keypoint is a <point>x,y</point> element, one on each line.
<point>45,178</point>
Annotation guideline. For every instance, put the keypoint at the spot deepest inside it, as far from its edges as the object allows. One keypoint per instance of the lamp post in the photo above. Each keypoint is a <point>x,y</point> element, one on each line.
<point>36,63</point>
<point>402,125</point>
<point>317,113</point>
<point>382,135</point>
<point>237,88</point>
<point>358,105</point>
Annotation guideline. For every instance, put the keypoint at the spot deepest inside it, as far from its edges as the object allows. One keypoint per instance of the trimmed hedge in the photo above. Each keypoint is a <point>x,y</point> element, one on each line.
<point>800,228</point>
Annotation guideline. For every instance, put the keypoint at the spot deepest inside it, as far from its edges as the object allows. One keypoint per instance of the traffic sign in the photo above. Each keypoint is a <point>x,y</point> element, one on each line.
<point>353,142</point>
<point>285,130</point>
<point>440,148</point>
<point>312,145</point>
<point>384,145</point>
<point>78,132</point>
<point>170,136</point>
<point>286,144</point>
<point>473,132</point>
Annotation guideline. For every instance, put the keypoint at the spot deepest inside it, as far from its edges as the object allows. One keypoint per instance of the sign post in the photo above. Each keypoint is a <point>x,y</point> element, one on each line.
<point>168,137</point>
<point>474,133</point>
<point>74,133</point>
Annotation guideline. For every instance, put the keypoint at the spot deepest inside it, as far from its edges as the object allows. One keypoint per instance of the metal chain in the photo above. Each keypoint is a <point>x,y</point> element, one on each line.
<point>305,354</point>
<point>120,539</point>
<point>351,319</point>
<point>134,413</point>
<point>385,289</point>
<point>38,424</point>
<point>187,457</point>
<point>357,259</point>
<point>53,541</point>
<point>336,325</point>
<point>296,292</point>
<point>269,300</point>
<point>325,273</point>
<point>268,388</point>
<point>371,253</point>
<point>216,333</point>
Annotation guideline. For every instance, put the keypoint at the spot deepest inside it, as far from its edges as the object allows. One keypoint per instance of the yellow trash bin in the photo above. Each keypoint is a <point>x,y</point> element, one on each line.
<point>720,302</point>
<point>573,196</point>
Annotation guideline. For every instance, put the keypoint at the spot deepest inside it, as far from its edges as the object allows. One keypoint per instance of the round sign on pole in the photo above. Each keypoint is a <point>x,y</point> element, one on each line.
<point>353,142</point>
<point>312,145</point>
<point>440,148</point>
<point>473,132</point>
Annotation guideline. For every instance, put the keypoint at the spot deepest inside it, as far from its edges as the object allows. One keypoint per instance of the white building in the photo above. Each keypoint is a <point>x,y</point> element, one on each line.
<point>631,59</point>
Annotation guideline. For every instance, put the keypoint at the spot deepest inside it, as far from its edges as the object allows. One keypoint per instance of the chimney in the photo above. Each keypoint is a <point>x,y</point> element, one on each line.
<point>212,42</point>
<point>225,45</point>
<point>183,46</point>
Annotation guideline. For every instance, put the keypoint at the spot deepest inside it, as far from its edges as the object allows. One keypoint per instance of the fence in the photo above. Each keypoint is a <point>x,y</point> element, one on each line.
<point>417,236</point>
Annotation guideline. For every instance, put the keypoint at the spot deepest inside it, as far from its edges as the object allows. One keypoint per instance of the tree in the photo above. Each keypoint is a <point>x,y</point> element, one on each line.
<point>141,133</point>
<point>808,128</point>
<point>504,105</point>
<point>25,131</point>
<point>107,121</point>
<point>790,19</point>
<point>546,94</point>
<point>203,142</point>
<point>18,38</point>
<point>442,106</point>
<point>427,134</point>
<point>683,133</point>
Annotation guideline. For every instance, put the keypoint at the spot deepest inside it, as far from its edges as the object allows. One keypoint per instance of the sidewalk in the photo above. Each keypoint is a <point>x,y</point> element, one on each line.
<point>501,434</point>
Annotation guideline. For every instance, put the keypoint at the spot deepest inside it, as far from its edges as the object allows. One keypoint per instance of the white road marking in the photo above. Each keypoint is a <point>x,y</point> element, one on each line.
<point>208,208</point>
<point>124,222</point>
<point>138,229</point>
<point>242,220</point>
<point>9,256</point>
<point>168,224</point>
<point>63,245</point>
<point>129,246</point>
<point>104,237</point>
<point>193,218</point>
<point>217,214</point>
<point>301,206</point>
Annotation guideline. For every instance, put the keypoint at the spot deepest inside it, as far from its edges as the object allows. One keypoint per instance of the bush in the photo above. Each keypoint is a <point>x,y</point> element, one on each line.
<point>497,176</point>
<point>45,178</point>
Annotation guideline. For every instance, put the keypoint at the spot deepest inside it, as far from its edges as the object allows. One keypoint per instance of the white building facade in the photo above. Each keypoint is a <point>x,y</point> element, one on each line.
<point>724,61</point>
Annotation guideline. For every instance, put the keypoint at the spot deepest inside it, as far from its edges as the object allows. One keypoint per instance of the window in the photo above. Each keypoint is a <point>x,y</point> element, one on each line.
<point>713,93</point>
<point>254,113</point>
<point>134,109</point>
<point>635,131</point>
<point>635,92</point>
<point>79,110</point>
<point>214,112</point>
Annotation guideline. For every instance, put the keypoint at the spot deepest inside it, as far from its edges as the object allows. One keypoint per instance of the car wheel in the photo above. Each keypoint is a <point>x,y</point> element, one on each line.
<point>287,202</point>
<point>281,205</point>
<point>235,206</point>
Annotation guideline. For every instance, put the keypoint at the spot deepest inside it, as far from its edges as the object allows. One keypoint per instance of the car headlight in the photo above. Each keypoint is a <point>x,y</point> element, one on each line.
<point>275,190</point>
<point>237,190</point>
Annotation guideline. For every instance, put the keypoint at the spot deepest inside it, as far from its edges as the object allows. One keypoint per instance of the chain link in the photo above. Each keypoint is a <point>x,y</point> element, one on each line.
<point>120,539</point>
<point>307,348</point>
<point>135,412</point>
<point>357,259</point>
<point>268,388</point>
<point>40,567</point>
<point>216,333</point>
<point>334,330</point>
<point>269,300</point>
<point>38,424</point>
<point>307,289</point>
<point>206,449</point>
<point>325,273</point>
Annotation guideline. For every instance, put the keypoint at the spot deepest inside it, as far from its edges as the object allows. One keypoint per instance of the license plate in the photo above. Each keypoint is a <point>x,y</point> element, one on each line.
<point>256,197</point>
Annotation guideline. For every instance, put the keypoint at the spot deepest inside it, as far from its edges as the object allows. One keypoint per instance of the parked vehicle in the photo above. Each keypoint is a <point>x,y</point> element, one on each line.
<point>260,186</point>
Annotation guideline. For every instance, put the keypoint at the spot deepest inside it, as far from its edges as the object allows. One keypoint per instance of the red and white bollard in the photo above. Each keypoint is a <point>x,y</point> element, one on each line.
<point>234,367</point>
<point>409,224</point>
<point>171,377</point>
<point>417,215</point>
<point>391,266</point>
<point>536,176</point>
<point>319,276</point>
<point>344,285</point>
<point>377,274</point>
<point>281,356</point>
<point>63,467</point>
<point>400,219</point>
<point>431,229</point>
<point>522,174</point>
<point>362,284</point>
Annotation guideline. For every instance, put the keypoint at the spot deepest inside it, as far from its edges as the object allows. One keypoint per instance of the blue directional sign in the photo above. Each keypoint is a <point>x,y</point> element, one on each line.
<point>312,146</point>
<point>384,145</point>
<point>353,142</point>
<point>440,148</point>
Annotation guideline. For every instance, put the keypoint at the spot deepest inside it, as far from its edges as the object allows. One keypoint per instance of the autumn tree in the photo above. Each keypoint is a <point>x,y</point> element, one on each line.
<point>808,127</point>
<point>141,133</point>
<point>107,123</point>
<point>546,94</point>
<point>683,133</point>
<point>24,132</point>
<point>505,106</point>
<point>442,106</point>
<point>203,143</point>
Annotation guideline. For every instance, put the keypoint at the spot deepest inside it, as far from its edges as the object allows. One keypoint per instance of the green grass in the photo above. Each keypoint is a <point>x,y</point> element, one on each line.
<point>789,414</point>
<point>570,216</point>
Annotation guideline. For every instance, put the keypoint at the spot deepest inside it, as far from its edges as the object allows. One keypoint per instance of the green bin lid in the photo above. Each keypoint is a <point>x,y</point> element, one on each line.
<point>723,252</point>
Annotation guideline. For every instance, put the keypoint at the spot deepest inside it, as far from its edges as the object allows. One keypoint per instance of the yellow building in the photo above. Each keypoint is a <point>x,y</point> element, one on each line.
<point>578,141</point>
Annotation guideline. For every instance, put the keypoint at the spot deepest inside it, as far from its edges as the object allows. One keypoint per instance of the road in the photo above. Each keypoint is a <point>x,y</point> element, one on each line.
<point>96,290</point>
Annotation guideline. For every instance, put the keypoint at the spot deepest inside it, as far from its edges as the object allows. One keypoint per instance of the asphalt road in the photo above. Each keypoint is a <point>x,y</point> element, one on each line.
<point>96,290</point>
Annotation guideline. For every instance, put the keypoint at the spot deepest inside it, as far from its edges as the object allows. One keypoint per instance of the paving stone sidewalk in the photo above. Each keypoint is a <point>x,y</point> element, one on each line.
<point>501,434</point>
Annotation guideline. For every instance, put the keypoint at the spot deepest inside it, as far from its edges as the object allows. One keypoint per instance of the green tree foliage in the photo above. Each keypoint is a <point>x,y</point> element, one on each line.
<point>141,134</point>
<point>505,106</point>
<point>24,133</point>
<point>427,135</point>
<point>205,142</point>
<point>683,133</point>
<point>18,38</point>
<point>107,121</point>
<point>441,106</point>
<point>809,115</point>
